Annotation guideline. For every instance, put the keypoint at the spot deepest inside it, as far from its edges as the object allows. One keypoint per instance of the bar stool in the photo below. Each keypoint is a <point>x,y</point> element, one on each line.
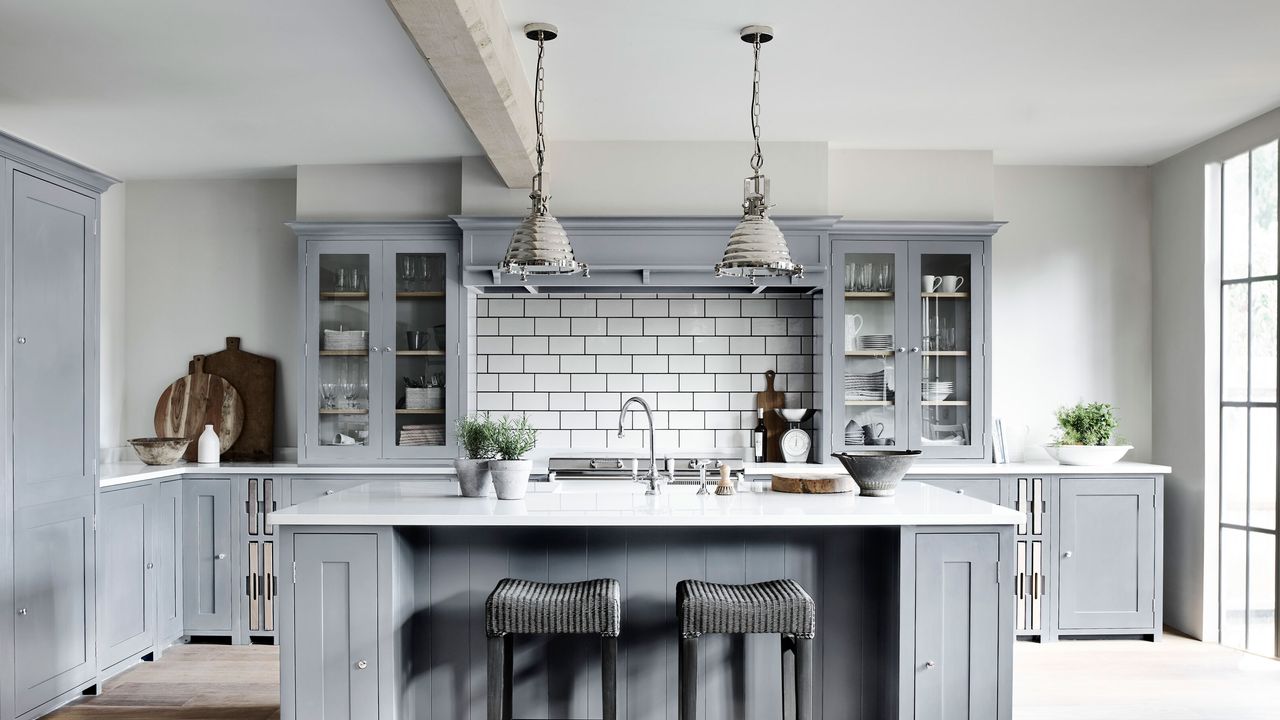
<point>524,607</point>
<point>778,607</point>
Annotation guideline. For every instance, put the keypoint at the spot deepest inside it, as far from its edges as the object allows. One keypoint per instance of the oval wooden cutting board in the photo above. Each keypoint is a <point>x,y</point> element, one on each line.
<point>811,484</point>
<point>196,400</point>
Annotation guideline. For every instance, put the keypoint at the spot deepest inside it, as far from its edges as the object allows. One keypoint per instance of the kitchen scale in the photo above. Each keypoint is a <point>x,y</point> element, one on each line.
<point>795,443</point>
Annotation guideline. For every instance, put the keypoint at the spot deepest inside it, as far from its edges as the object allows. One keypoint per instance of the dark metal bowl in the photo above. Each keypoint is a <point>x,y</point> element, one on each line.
<point>877,472</point>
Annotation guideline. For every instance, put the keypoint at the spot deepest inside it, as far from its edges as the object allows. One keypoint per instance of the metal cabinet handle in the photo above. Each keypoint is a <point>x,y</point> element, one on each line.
<point>386,349</point>
<point>329,492</point>
<point>960,491</point>
<point>1066,554</point>
<point>902,349</point>
<point>930,664</point>
<point>361,664</point>
<point>22,611</point>
<point>915,349</point>
<point>221,556</point>
<point>374,349</point>
<point>22,341</point>
<point>151,566</point>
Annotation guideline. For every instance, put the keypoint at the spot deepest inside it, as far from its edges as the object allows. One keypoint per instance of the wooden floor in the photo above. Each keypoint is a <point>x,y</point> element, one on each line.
<point>1178,679</point>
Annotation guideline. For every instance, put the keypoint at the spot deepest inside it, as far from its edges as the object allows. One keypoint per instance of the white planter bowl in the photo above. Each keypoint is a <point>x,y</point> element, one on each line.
<point>1087,454</point>
<point>510,477</point>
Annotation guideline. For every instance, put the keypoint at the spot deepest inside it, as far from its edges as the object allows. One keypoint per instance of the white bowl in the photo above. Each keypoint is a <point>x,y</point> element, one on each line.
<point>792,414</point>
<point>1087,454</point>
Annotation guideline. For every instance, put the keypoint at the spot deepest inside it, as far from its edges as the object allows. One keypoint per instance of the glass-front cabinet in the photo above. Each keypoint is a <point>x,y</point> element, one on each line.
<point>908,346</point>
<point>381,347</point>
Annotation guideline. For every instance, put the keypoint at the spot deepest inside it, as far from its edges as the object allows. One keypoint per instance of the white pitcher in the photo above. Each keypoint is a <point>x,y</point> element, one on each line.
<point>852,326</point>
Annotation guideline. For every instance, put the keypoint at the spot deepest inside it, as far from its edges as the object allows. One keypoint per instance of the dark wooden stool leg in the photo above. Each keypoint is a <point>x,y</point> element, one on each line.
<point>609,677</point>
<point>688,678</point>
<point>508,681</point>
<point>496,670</point>
<point>803,654</point>
<point>788,677</point>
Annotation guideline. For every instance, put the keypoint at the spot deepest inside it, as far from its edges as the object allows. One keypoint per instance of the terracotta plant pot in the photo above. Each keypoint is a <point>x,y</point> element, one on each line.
<point>473,477</point>
<point>511,477</point>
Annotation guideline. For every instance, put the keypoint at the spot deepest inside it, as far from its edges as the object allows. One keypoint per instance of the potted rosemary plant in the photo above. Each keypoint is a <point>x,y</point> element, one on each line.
<point>477,436</point>
<point>1085,434</point>
<point>514,439</point>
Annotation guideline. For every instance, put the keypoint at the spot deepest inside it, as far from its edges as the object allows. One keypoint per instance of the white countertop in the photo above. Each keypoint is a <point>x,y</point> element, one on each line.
<point>123,473</point>
<point>593,504</point>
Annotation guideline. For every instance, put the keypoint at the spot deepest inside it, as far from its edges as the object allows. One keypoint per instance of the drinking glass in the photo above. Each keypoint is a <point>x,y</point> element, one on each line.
<point>342,280</point>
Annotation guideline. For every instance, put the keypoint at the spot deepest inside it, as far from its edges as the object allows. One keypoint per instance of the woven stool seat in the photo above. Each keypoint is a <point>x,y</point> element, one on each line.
<point>779,607</point>
<point>525,607</point>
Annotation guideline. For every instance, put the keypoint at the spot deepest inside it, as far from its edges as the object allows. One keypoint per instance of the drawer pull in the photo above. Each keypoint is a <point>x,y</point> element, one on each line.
<point>361,664</point>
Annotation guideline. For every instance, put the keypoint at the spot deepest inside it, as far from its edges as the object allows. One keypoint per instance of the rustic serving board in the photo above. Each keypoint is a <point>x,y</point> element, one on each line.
<point>196,400</point>
<point>774,425</point>
<point>811,484</point>
<point>254,377</point>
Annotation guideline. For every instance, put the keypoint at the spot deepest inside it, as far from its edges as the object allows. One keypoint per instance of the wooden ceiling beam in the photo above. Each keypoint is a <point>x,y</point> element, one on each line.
<point>468,46</point>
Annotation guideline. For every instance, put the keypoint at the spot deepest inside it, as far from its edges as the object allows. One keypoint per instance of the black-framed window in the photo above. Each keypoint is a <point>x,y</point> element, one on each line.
<point>1250,288</point>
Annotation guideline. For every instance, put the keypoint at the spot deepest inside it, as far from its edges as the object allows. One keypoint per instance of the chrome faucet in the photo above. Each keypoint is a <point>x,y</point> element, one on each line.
<point>653,478</point>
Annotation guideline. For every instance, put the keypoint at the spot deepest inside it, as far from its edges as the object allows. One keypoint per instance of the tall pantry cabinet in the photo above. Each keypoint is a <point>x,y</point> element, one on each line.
<point>48,427</point>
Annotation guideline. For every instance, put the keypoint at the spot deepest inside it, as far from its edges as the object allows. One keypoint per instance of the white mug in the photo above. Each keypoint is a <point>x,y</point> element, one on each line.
<point>952,283</point>
<point>932,283</point>
<point>852,326</point>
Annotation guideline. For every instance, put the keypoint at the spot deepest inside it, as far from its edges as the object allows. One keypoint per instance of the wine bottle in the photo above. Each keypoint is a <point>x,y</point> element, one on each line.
<point>757,436</point>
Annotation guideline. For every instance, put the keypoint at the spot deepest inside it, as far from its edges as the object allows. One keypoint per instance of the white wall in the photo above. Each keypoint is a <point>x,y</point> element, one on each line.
<point>112,318</point>
<point>1071,300</point>
<point>411,191</point>
<point>208,259</point>
<point>910,184</point>
<point>1184,371</point>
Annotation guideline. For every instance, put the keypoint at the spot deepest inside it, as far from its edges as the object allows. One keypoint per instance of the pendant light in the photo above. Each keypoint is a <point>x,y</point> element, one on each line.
<point>756,247</point>
<point>540,245</point>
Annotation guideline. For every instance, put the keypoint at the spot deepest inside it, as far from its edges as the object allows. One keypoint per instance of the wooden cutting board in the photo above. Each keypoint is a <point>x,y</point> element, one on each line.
<point>254,377</point>
<point>774,425</point>
<point>196,400</point>
<point>815,484</point>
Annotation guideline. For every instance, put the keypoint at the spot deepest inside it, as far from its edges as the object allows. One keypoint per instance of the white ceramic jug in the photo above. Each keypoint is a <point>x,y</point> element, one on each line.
<point>209,449</point>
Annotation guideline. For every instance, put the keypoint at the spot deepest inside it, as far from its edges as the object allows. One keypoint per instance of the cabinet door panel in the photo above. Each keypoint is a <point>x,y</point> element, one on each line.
<point>957,625</point>
<point>53,363</point>
<point>336,626</point>
<point>1106,558</point>
<point>207,592</point>
<point>126,588</point>
<point>168,570</point>
<point>54,592</point>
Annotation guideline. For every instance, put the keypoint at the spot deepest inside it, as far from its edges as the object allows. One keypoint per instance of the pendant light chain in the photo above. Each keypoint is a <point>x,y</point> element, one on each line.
<point>540,148</point>
<point>757,158</point>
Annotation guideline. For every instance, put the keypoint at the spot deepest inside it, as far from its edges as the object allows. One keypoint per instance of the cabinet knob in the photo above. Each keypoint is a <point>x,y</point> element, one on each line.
<point>151,566</point>
<point>960,491</point>
<point>1066,554</point>
<point>374,349</point>
<point>361,664</point>
<point>22,341</point>
<point>902,349</point>
<point>387,349</point>
<point>221,556</point>
<point>915,349</point>
<point>328,492</point>
<point>22,611</point>
<point>930,664</point>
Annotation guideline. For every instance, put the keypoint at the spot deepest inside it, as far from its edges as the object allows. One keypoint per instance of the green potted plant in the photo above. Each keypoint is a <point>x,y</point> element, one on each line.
<point>514,439</point>
<point>1085,433</point>
<point>477,436</point>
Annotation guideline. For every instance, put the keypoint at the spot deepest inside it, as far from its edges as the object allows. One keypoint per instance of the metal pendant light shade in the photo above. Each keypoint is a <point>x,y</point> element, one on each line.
<point>540,246</point>
<point>757,247</point>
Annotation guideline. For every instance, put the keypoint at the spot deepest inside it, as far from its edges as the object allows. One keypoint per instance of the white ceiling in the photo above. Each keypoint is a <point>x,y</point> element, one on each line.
<point>1077,82</point>
<point>166,88</point>
<point>173,88</point>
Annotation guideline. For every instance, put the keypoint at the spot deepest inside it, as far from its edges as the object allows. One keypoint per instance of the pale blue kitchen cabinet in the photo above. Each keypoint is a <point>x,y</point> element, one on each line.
<point>208,558</point>
<point>168,560</point>
<point>126,573</point>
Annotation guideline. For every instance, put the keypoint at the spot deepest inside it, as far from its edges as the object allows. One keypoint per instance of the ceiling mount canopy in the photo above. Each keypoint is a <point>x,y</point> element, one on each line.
<point>757,247</point>
<point>540,246</point>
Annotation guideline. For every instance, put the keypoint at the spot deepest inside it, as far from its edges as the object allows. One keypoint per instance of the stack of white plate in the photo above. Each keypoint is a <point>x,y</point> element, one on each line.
<point>866,386</point>
<point>853,434</point>
<point>875,342</point>
<point>421,435</point>
<point>937,390</point>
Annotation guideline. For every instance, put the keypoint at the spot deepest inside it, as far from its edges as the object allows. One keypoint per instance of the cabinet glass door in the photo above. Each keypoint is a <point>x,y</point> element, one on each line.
<point>947,341</point>
<point>345,336</point>
<point>420,334</point>
<point>868,334</point>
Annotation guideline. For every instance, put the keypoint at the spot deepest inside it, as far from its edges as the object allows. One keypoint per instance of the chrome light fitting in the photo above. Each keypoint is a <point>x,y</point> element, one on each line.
<point>756,247</point>
<point>540,245</point>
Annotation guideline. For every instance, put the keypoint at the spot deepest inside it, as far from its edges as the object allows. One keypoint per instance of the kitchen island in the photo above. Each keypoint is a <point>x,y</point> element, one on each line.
<point>384,617</point>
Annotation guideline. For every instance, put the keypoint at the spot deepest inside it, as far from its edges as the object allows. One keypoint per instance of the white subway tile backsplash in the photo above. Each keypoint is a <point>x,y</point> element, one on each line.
<point>570,360</point>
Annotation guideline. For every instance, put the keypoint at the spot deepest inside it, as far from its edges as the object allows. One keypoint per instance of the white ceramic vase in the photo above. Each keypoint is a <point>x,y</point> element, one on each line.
<point>474,477</point>
<point>1087,454</point>
<point>511,477</point>
<point>209,448</point>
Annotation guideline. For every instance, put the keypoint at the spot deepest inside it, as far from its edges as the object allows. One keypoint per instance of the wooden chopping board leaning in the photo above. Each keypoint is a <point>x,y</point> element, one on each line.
<point>196,400</point>
<point>774,425</point>
<point>254,378</point>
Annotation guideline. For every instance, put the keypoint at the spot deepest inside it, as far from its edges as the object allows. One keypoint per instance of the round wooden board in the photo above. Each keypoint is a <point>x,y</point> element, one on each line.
<point>196,400</point>
<point>812,484</point>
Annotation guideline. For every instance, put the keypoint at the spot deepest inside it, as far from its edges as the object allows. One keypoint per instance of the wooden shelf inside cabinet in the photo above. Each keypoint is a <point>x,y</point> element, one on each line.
<point>876,403</point>
<point>867,353</point>
<point>344,353</point>
<point>853,295</point>
<point>434,353</point>
<point>954,295</point>
<point>410,294</point>
<point>944,402</point>
<point>344,411</point>
<point>343,295</point>
<point>405,411</point>
<point>946,353</point>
